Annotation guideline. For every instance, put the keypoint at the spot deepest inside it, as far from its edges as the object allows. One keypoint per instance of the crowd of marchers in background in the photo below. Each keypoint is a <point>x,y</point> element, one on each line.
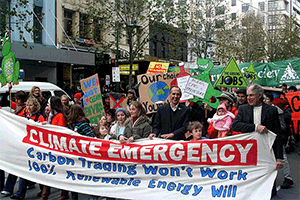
<point>241,110</point>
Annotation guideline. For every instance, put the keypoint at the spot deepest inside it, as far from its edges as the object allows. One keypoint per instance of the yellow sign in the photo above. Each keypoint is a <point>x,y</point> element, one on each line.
<point>127,67</point>
<point>158,67</point>
<point>126,72</point>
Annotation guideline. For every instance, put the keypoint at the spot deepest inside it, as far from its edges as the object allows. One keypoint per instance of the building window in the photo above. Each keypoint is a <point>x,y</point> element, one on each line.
<point>245,7</point>
<point>220,10</point>
<point>97,24</point>
<point>233,16</point>
<point>84,27</point>
<point>261,6</point>
<point>37,20</point>
<point>272,5</point>
<point>68,22</point>
<point>271,20</point>
<point>233,2</point>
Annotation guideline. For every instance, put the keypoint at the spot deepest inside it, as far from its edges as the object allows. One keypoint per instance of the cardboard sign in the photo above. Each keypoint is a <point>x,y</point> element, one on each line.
<point>158,67</point>
<point>232,76</point>
<point>92,99</point>
<point>117,100</point>
<point>196,87</point>
<point>154,89</point>
<point>294,101</point>
<point>250,73</point>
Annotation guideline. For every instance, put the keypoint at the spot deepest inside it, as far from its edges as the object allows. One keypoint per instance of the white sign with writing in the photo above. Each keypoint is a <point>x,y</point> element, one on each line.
<point>196,87</point>
<point>116,74</point>
<point>182,81</point>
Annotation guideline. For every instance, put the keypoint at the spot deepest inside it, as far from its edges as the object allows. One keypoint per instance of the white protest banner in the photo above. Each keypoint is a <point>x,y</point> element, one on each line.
<point>196,87</point>
<point>234,167</point>
<point>182,81</point>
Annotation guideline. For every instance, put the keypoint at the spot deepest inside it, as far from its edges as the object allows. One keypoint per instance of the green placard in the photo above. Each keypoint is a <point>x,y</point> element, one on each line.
<point>232,76</point>
<point>10,69</point>
<point>250,73</point>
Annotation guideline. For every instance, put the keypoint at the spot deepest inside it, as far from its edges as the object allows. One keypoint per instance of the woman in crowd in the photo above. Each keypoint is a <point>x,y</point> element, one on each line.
<point>65,100</point>
<point>137,126</point>
<point>111,118</point>
<point>118,128</point>
<point>47,112</point>
<point>33,109</point>
<point>20,100</point>
<point>37,93</point>
<point>56,117</point>
<point>77,121</point>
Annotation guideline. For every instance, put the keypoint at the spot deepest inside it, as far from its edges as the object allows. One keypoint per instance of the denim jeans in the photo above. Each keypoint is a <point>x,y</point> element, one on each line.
<point>22,188</point>
<point>10,183</point>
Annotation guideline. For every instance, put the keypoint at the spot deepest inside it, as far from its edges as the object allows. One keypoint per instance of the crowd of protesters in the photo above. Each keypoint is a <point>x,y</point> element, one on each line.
<point>240,111</point>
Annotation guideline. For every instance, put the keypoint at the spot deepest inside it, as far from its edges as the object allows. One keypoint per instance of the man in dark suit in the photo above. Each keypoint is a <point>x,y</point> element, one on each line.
<point>171,120</point>
<point>260,117</point>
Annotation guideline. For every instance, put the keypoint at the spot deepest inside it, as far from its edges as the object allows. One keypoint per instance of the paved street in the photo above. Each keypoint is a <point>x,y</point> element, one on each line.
<point>286,194</point>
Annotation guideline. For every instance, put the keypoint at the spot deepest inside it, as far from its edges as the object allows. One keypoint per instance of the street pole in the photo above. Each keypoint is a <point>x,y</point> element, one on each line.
<point>117,56</point>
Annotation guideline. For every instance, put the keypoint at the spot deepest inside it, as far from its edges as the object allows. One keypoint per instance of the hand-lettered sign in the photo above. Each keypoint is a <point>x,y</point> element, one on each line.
<point>158,67</point>
<point>92,99</point>
<point>154,89</point>
<point>196,87</point>
<point>231,76</point>
<point>294,101</point>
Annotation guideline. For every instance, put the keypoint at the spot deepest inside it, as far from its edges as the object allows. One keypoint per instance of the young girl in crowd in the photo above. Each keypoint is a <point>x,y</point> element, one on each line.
<point>195,129</point>
<point>111,118</point>
<point>77,121</point>
<point>118,128</point>
<point>138,125</point>
<point>56,117</point>
<point>222,121</point>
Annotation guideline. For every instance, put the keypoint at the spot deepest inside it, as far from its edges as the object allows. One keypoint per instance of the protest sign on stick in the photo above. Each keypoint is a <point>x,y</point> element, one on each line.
<point>196,87</point>
<point>92,99</point>
<point>154,89</point>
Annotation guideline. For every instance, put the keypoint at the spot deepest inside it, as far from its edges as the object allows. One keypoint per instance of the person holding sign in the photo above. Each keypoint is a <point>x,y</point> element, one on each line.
<point>260,117</point>
<point>171,120</point>
<point>138,125</point>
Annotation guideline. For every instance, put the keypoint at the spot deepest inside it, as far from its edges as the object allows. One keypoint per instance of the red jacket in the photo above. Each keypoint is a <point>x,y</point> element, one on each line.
<point>40,118</point>
<point>59,120</point>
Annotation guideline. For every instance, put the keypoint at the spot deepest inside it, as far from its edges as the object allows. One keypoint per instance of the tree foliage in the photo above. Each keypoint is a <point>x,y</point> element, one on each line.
<point>16,14</point>
<point>253,39</point>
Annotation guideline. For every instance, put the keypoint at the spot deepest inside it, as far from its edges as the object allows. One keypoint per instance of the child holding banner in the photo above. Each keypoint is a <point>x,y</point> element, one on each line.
<point>56,117</point>
<point>195,129</point>
<point>118,128</point>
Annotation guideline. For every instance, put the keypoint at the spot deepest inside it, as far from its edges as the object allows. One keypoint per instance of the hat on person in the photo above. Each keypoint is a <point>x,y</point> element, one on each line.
<point>292,88</point>
<point>121,110</point>
<point>283,84</point>
<point>132,91</point>
<point>241,90</point>
<point>77,95</point>
<point>229,96</point>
